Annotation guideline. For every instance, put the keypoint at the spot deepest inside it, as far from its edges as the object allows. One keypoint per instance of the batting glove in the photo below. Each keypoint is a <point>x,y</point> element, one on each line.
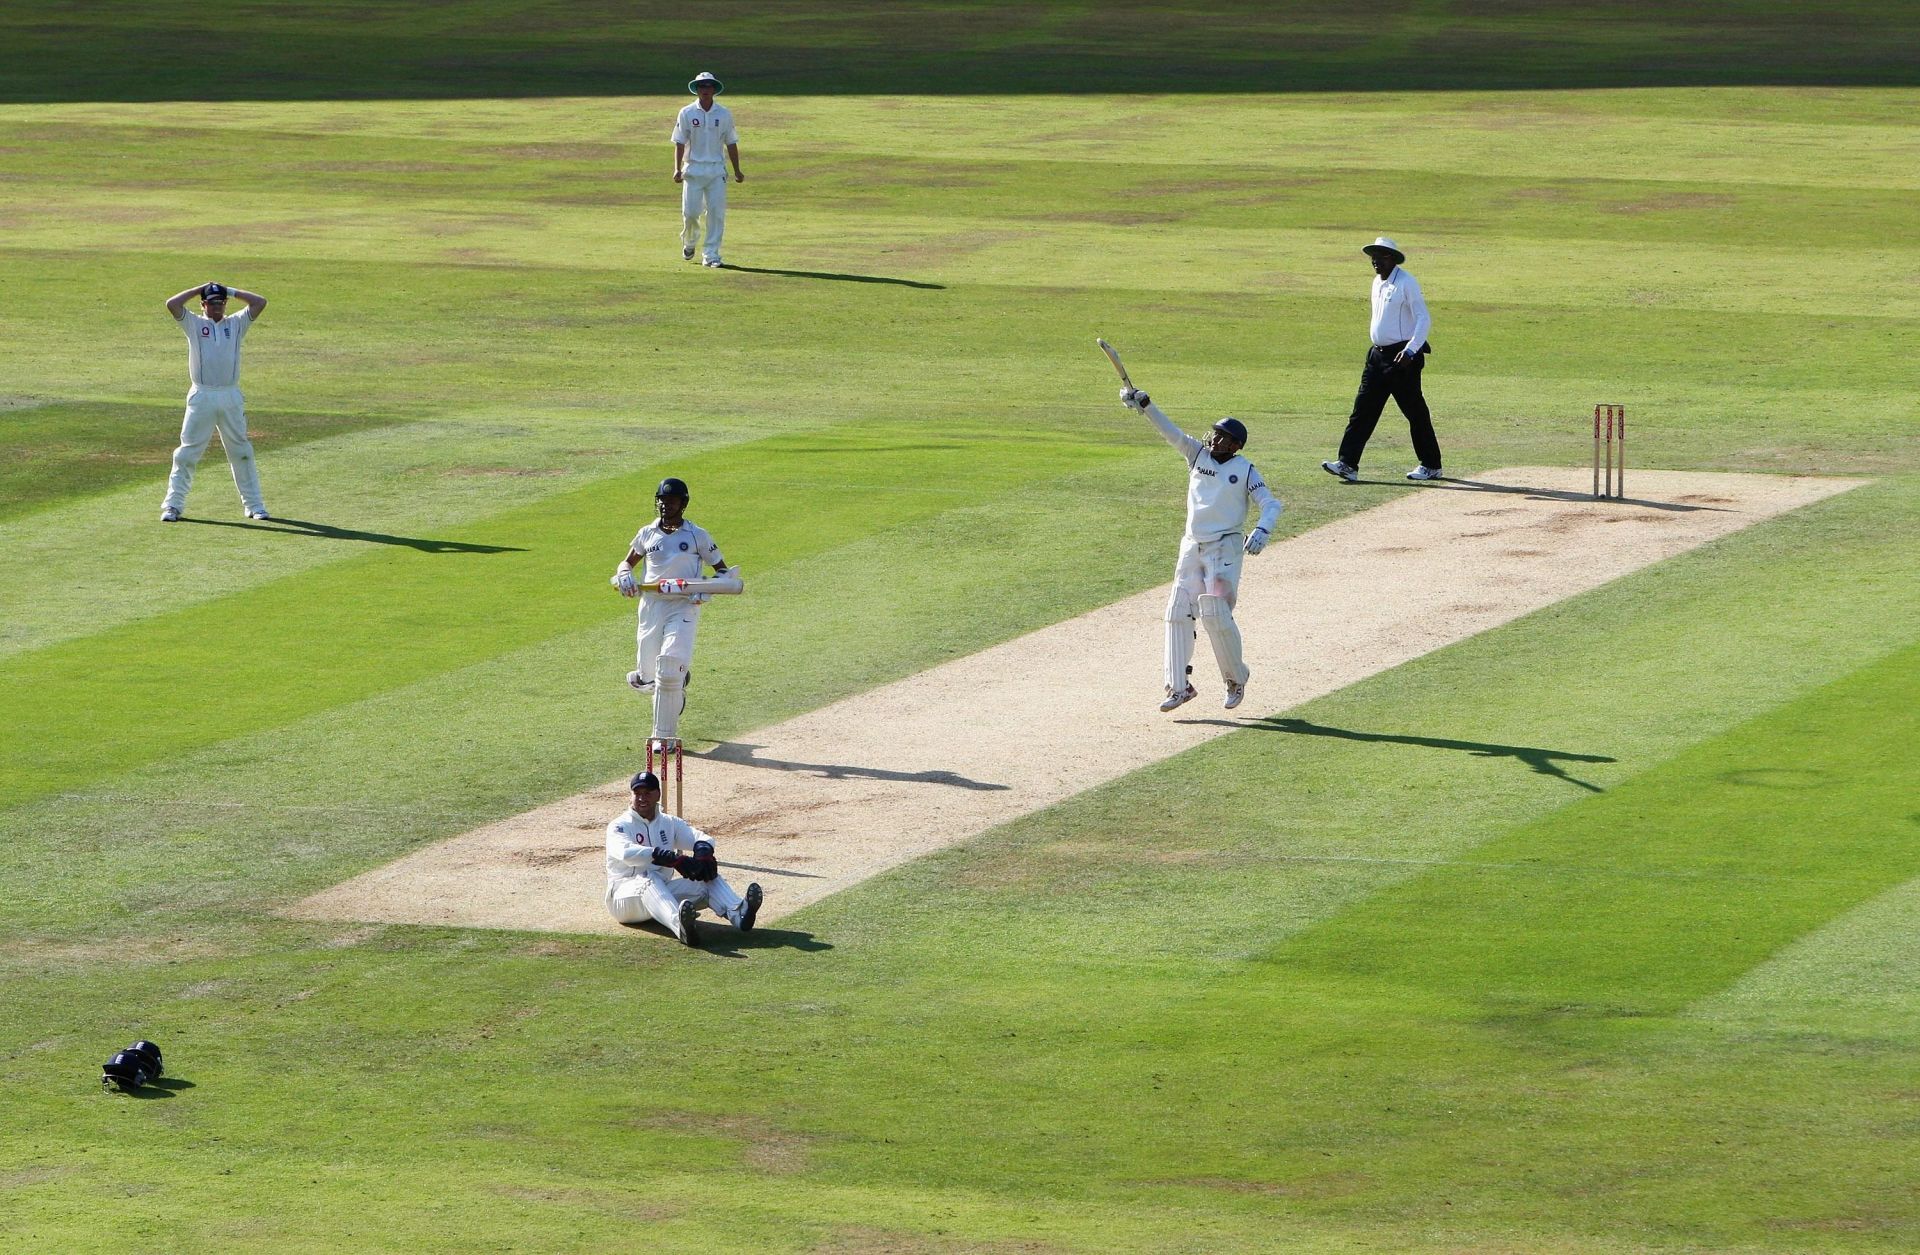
<point>623,580</point>
<point>1257,540</point>
<point>1134,399</point>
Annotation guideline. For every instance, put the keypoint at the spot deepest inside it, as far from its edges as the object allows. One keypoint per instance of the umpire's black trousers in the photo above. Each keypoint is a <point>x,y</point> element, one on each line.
<point>1379,380</point>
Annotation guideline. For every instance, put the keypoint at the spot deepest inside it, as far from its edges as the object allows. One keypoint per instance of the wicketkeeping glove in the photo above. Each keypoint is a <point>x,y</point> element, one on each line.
<point>665,858</point>
<point>1257,540</point>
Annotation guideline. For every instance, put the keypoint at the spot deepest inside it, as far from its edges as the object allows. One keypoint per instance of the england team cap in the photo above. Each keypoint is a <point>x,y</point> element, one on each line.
<point>644,780</point>
<point>704,77</point>
<point>214,292</point>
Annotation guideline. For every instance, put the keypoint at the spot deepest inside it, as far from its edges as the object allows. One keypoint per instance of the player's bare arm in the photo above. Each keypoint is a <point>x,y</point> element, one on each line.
<point>256,303</point>
<point>679,162</point>
<point>177,303</point>
<point>733,155</point>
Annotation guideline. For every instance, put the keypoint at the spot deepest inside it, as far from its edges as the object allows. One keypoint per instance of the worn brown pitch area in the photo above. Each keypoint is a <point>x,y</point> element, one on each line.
<point>823,801</point>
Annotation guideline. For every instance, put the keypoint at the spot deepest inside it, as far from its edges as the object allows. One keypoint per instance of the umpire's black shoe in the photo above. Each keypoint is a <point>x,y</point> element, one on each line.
<point>689,929</point>
<point>750,909</point>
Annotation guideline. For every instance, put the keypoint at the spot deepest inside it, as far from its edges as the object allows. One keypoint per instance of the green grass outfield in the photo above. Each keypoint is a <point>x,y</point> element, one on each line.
<point>1594,933</point>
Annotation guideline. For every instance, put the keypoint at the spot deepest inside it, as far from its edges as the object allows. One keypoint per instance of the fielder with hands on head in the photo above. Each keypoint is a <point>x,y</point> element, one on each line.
<point>213,400</point>
<point>1395,359</point>
<point>700,132</point>
<point>672,547</point>
<point>659,866</point>
<point>1221,483</point>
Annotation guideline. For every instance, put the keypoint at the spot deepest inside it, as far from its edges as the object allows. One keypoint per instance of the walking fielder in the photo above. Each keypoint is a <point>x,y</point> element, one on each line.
<point>670,553</point>
<point>1221,484</point>
<point>214,401</point>
<point>701,132</point>
<point>661,867</point>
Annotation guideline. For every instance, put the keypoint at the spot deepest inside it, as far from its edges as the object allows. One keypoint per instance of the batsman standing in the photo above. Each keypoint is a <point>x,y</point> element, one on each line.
<point>1221,483</point>
<point>660,866</point>
<point>672,547</point>
<point>700,133</point>
<point>213,400</point>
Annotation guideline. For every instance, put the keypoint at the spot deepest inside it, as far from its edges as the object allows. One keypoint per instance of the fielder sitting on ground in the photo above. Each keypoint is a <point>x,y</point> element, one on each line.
<point>213,366</point>
<point>672,547</point>
<point>1206,579</point>
<point>660,866</point>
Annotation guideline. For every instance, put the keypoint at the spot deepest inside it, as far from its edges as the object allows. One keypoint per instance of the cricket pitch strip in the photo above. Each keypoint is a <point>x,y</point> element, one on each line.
<point>823,801</point>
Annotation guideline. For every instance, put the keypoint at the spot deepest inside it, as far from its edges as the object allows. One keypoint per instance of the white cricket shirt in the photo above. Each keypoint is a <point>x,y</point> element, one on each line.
<point>706,133</point>
<point>213,348</point>
<point>1218,493</point>
<point>1399,311</point>
<point>632,840</point>
<point>675,555</point>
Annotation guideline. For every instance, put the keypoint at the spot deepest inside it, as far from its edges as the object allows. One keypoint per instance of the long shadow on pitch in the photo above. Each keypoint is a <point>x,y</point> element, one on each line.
<point>741,754</point>
<point>326,531</point>
<point>828,274</point>
<point>730,943</point>
<point>1537,494</point>
<point>1544,761</point>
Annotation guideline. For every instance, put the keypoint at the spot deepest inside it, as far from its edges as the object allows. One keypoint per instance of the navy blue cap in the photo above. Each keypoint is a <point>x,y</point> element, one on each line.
<point>644,780</point>
<point>214,292</point>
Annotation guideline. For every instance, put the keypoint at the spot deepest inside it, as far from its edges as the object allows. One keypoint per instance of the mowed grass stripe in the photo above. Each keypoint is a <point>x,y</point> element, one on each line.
<point>295,647</point>
<point>1662,890</point>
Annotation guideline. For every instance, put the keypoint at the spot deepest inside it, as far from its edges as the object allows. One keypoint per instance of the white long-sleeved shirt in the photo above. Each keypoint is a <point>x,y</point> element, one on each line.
<point>1399,311</point>
<point>1217,492</point>
<point>632,840</point>
<point>213,348</point>
<point>706,133</point>
<point>675,555</point>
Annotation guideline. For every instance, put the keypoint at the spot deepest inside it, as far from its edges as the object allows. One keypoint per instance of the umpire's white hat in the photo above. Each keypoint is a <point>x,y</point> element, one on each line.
<point>1385,245</point>
<point>702,79</point>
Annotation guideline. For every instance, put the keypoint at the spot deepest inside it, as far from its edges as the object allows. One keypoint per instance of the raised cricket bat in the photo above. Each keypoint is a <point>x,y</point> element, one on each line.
<point>1114,357</point>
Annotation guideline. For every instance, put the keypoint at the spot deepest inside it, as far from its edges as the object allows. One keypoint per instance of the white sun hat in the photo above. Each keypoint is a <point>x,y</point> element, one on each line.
<point>1385,245</point>
<point>704,76</point>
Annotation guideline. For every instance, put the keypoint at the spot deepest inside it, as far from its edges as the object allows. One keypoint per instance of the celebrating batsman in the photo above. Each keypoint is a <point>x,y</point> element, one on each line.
<point>668,550</point>
<point>661,866</point>
<point>1206,579</point>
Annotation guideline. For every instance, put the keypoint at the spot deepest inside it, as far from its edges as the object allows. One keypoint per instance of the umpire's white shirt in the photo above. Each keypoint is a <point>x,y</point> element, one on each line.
<point>706,133</point>
<point>1399,311</point>
<point>213,348</point>
<point>677,554</point>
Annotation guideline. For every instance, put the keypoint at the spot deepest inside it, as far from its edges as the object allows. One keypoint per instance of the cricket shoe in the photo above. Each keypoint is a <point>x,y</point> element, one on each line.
<point>1175,700</point>
<point>686,253</point>
<point>714,262</point>
<point>169,514</point>
<point>1236,693</point>
<point>260,514</point>
<point>689,933</point>
<point>1340,470</point>
<point>750,908</point>
<point>637,684</point>
<point>1419,473</point>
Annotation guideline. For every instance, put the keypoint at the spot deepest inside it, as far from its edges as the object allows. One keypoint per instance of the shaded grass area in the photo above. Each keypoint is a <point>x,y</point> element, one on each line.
<point>1203,1032</point>
<point>322,49</point>
<point>54,452</point>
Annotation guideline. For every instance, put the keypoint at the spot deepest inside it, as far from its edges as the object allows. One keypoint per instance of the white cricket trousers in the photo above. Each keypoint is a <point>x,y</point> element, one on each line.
<point>657,893</point>
<point>1207,573</point>
<point>208,409</point>
<point>663,655</point>
<point>703,194</point>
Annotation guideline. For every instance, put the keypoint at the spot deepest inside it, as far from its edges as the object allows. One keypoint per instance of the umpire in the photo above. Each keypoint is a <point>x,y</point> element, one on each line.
<point>1394,362</point>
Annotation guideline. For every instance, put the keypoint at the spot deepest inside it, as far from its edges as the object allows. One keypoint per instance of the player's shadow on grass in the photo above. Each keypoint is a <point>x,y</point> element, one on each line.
<point>730,943</point>
<point>1544,761</point>
<point>839,278</point>
<point>741,754</point>
<point>1537,494</point>
<point>326,531</point>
